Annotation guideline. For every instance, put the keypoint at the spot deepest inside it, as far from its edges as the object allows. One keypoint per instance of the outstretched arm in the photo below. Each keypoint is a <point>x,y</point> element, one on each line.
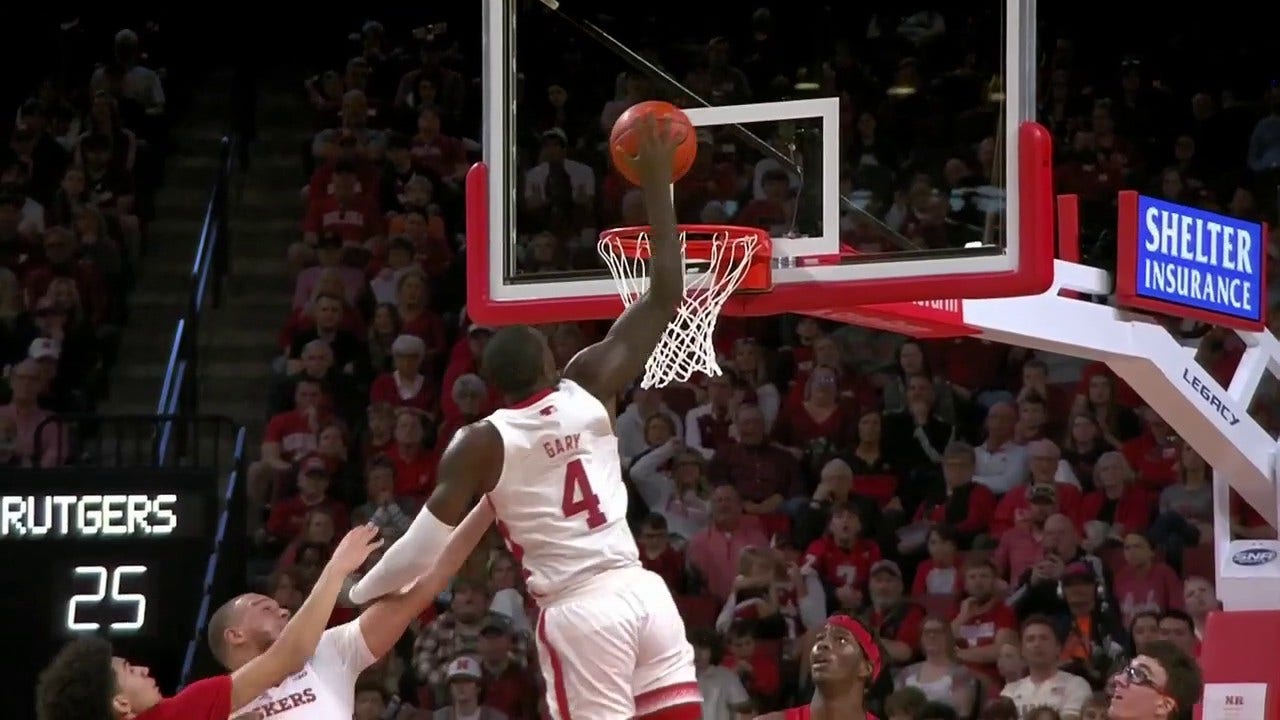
<point>469,466</point>
<point>384,623</point>
<point>297,642</point>
<point>606,367</point>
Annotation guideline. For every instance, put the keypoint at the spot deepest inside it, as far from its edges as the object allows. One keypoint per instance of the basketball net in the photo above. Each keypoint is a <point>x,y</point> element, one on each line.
<point>686,347</point>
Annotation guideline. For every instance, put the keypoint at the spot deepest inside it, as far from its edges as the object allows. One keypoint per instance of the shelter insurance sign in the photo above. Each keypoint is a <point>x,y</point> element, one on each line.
<point>1189,263</point>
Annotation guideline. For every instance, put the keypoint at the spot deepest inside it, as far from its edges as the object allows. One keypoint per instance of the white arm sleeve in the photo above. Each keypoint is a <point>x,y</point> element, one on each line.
<point>406,560</point>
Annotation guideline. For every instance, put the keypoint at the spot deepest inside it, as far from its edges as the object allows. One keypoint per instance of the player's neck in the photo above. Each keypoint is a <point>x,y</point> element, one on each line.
<point>837,703</point>
<point>528,396</point>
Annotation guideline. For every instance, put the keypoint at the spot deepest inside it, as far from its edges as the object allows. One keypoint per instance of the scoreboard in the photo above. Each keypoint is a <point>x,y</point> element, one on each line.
<point>122,554</point>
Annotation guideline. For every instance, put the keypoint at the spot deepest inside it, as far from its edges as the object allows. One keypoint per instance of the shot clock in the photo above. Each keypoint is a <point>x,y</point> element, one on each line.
<point>122,554</point>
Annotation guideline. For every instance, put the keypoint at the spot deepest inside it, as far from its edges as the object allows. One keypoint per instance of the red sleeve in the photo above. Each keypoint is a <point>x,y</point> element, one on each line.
<point>1174,589</point>
<point>208,699</point>
<point>1135,509</point>
<point>982,504</point>
<point>1069,501</point>
<point>909,631</point>
<point>1090,506</point>
<point>313,221</point>
<point>1005,618</point>
<point>813,556</point>
<point>279,523</point>
<point>275,429</point>
<point>918,586</point>
<point>383,390</point>
<point>374,223</point>
<point>1003,517</point>
<point>766,677</point>
<point>290,329</point>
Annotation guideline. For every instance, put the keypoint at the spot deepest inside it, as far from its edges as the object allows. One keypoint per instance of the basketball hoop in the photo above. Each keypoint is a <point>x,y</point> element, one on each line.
<point>719,261</point>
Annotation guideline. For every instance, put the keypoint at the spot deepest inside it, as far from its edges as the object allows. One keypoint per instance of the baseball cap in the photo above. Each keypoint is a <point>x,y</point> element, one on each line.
<point>1042,494</point>
<point>44,349</point>
<point>556,133</point>
<point>497,624</point>
<point>464,668</point>
<point>479,329</point>
<point>888,566</point>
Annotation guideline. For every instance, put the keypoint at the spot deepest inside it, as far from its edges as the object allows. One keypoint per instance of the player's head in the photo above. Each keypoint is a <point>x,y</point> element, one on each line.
<point>518,360</point>
<point>844,654</point>
<point>1162,682</point>
<point>244,627</point>
<point>86,681</point>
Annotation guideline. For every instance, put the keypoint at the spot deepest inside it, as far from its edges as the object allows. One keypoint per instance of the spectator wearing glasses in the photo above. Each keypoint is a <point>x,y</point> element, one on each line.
<point>1161,683</point>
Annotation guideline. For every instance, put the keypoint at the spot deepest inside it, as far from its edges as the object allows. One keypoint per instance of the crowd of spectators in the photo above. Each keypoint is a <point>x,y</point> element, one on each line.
<point>77,173</point>
<point>1010,523</point>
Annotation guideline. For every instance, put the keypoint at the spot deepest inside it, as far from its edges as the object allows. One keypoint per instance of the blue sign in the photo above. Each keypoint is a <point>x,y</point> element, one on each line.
<point>1199,260</point>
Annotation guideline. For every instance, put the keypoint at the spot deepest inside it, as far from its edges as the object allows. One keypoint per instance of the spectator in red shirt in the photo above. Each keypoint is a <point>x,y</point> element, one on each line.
<point>464,359</point>
<point>963,504</point>
<point>348,155</point>
<point>757,667</point>
<point>508,686</point>
<point>61,261</point>
<point>984,622</point>
<point>895,619</point>
<point>413,302</point>
<point>813,430</point>
<point>289,515</point>
<point>352,216</point>
<point>414,466</point>
<point>713,553</point>
<point>1153,455</point>
<point>442,155</point>
<point>842,559</point>
<point>1143,582</point>
<point>658,555</point>
<point>707,426</point>
<point>405,386</point>
<point>289,437</point>
<point>765,475</point>
<point>1117,507</point>
<point>1043,461</point>
<point>1101,399</point>
<point>939,573</point>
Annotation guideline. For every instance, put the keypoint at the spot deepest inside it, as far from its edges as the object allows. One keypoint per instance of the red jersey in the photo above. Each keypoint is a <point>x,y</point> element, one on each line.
<point>802,713</point>
<point>208,699</point>
<point>981,631</point>
<point>839,567</point>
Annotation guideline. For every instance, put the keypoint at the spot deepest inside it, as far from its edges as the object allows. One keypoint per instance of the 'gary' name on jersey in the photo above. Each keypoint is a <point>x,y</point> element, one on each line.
<point>561,445</point>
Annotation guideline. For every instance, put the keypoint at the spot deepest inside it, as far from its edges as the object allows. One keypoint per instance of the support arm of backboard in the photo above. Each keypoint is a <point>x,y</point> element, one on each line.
<point>1162,371</point>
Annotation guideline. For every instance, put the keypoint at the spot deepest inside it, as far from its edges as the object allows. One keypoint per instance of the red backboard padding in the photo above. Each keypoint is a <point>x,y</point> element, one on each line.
<point>1244,647</point>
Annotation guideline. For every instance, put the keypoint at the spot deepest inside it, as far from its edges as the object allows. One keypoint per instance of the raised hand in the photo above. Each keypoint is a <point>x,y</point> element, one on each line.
<point>355,548</point>
<point>656,142</point>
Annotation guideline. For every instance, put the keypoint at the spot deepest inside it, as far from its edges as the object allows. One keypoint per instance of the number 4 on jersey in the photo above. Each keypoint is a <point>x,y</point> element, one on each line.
<point>579,497</point>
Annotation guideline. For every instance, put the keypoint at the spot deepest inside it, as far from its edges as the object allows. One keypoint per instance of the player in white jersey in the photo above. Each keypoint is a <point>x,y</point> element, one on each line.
<point>611,642</point>
<point>324,688</point>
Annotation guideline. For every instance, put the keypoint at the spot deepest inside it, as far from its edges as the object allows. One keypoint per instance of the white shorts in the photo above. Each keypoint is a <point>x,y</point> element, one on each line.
<point>616,650</point>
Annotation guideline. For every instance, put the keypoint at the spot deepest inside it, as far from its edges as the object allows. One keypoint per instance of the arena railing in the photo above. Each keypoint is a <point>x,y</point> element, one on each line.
<point>179,392</point>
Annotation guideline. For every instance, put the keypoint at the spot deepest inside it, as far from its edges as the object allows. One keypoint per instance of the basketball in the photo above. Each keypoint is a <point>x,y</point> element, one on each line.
<point>623,144</point>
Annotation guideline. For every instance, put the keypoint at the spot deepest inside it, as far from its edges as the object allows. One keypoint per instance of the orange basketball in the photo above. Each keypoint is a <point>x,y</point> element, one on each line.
<point>623,143</point>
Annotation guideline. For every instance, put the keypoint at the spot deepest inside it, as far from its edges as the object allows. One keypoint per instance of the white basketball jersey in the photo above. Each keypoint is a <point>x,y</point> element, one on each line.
<point>560,501</point>
<point>325,687</point>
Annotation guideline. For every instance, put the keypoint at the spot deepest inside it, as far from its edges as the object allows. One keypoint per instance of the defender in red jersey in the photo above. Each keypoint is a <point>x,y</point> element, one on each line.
<point>610,639</point>
<point>844,661</point>
<point>86,681</point>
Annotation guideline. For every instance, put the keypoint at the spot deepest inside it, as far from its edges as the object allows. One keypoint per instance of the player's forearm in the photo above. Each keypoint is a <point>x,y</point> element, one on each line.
<point>666,276</point>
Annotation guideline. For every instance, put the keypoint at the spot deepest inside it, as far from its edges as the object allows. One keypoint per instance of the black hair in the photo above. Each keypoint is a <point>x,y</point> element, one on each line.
<point>1184,681</point>
<point>79,684</point>
<point>1181,616</point>
<point>1043,620</point>
<point>654,521</point>
<point>934,710</point>
<point>709,639</point>
<point>513,360</point>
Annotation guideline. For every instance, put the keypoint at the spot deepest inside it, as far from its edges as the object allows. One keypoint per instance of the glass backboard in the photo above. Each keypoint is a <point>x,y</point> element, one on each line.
<point>880,173</point>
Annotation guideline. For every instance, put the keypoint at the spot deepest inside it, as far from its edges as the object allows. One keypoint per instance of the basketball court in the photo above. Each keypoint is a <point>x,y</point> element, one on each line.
<point>1004,267</point>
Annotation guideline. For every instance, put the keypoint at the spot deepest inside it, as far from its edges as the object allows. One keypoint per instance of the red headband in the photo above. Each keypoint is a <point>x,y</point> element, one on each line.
<point>870,650</point>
